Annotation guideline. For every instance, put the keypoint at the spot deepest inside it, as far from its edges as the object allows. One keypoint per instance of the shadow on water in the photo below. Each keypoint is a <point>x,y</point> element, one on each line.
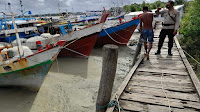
<point>71,66</point>
<point>13,99</point>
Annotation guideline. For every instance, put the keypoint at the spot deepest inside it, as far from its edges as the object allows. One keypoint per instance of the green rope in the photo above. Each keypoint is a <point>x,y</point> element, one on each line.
<point>101,107</point>
<point>112,103</point>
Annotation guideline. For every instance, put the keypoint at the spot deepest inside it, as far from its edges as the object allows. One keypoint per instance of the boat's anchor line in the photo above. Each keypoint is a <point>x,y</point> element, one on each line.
<point>114,39</point>
<point>76,52</point>
<point>88,56</point>
<point>57,65</point>
<point>118,34</point>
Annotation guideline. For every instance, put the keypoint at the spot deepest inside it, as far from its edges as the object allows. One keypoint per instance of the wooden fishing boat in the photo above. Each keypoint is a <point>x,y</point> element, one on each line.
<point>81,42</point>
<point>19,66</point>
<point>26,71</point>
<point>117,35</point>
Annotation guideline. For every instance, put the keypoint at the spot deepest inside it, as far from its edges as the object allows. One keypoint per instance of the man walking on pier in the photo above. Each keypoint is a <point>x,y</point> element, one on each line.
<point>146,29</point>
<point>170,26</point>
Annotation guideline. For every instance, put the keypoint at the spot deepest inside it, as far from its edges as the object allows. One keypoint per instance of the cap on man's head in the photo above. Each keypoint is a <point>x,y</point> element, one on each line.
<point>145,8</point>
<point>171,2</point>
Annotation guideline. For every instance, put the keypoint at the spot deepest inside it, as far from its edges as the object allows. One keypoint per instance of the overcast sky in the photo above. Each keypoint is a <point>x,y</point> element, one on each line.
<point>51,6</point>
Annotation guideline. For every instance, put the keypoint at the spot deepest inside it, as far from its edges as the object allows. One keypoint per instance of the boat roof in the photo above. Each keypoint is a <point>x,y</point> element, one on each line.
<point>20,21</point>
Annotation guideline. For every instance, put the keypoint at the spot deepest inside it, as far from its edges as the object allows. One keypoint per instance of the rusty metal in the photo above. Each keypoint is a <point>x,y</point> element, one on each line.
<point>15,65</point>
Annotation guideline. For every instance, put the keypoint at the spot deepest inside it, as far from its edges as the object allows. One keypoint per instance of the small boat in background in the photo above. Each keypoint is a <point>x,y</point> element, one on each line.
<point>118,34</point>
<point>26,29</point>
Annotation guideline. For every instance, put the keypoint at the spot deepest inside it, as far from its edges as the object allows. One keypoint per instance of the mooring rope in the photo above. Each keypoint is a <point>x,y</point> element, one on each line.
<point>163,90</point>
<point>119,35</point>
<point>57,65</point>
<point>90,57</point>
<point>72,42</point>
<point>117,102</point>
<point>76,52</point>
<point>114,39</point>
<point>112,103</point>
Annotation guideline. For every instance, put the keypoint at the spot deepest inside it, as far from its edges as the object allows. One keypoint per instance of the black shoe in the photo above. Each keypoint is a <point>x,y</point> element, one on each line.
<point>170,53</point>
<point>157,53</point>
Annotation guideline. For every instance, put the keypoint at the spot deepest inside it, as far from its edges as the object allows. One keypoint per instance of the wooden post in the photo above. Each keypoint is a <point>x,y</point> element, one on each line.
<point>138,49</point>
<point>110,56</point>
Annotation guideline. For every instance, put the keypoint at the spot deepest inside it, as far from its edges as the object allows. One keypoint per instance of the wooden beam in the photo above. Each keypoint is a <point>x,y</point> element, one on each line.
<point>191,72</point>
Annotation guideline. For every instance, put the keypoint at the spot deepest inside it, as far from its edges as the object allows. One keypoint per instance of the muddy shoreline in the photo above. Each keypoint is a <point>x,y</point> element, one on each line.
<point>70,86</point>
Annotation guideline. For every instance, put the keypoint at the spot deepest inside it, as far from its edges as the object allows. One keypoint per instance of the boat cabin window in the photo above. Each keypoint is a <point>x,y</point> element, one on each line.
<point>30,24</point>
<point>19,26</point>
<point>24,25</point>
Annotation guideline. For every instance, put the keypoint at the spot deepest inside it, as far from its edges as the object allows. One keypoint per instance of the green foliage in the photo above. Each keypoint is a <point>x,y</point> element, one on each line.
<point>198,75</point>
<point>126,8</point>
<point>190,28</point>
<point>179,2</point>
<point>138,7</point>
<point>133,8</point>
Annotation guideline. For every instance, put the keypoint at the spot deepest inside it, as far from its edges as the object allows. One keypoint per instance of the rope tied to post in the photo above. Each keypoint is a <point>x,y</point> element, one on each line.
<point>112,103</point>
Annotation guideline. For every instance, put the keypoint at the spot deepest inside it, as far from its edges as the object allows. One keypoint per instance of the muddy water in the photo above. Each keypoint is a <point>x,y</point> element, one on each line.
<point>70,86</point>
<point>16,100</point>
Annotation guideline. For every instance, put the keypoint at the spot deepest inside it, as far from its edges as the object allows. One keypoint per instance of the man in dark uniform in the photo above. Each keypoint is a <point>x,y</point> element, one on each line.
<point>170,26</point>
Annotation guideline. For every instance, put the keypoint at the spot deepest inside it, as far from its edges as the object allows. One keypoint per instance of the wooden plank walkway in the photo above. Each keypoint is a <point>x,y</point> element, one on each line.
<point>162,84</point>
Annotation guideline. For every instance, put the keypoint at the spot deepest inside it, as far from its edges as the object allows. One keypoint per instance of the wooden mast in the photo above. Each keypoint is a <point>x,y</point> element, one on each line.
<point>21,52</point>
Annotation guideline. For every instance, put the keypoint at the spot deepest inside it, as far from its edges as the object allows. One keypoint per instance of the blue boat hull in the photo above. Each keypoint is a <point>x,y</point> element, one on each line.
<point>118,35</point>
<point>21,35</point>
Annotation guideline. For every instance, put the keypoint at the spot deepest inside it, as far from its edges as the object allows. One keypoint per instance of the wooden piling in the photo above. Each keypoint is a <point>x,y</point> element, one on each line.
<point>110,56</point>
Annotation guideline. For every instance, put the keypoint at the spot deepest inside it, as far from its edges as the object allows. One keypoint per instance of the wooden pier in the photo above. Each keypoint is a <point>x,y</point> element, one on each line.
<point>162,84</point>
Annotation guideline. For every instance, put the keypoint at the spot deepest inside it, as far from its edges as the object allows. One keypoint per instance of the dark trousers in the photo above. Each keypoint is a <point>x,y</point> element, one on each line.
<point>163,34</point>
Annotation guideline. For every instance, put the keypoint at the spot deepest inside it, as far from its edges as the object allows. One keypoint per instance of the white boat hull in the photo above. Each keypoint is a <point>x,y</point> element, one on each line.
<point>28,72</point>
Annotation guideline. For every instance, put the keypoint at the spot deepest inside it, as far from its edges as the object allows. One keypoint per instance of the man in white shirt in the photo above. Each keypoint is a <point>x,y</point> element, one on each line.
<point>170,26</point>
